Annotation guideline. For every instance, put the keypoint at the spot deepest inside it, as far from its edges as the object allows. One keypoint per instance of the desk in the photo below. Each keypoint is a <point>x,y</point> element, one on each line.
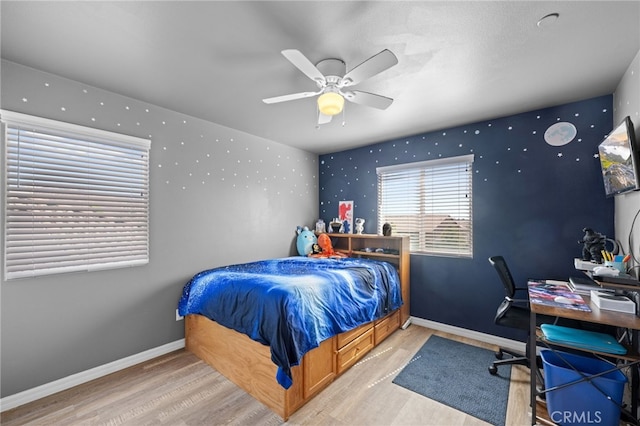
<point>597,316</point>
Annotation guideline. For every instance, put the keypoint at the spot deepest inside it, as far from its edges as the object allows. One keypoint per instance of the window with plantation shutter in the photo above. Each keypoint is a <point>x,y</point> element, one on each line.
<point>75,198</point>
<point>431,202</point>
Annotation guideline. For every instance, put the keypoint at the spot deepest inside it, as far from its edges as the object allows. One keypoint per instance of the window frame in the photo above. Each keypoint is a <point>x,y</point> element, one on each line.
<point>433,234</point>
<point>96,232</point>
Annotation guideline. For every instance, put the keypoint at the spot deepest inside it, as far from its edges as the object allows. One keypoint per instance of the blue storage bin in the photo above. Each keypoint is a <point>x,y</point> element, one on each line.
<point>582,403</point>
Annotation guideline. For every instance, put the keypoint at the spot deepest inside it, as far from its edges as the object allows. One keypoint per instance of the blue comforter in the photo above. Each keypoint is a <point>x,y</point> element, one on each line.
<point>293,304</point>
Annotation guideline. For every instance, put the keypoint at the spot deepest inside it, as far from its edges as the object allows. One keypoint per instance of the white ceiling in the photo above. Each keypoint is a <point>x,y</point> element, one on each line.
<point>459,61</point>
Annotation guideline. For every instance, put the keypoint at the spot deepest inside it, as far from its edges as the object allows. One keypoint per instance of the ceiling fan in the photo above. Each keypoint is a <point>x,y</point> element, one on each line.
<point>333,81</point>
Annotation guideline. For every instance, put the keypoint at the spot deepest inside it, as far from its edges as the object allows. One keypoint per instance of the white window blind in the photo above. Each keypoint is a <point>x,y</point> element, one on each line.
<point>76,198</point>
<point>431,202</point>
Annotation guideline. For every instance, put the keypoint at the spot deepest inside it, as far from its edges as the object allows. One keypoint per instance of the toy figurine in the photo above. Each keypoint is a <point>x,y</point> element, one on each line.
<point>359,225</point>
<point>593,245</point>
<point>335,225</point>
<point>386,229</point>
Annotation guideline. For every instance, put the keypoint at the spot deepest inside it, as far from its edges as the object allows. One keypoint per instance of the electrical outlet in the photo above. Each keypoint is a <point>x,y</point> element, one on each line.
<point>178,316</point>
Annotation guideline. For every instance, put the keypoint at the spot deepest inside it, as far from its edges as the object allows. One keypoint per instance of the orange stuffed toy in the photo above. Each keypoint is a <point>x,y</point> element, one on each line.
<point>324,241</point>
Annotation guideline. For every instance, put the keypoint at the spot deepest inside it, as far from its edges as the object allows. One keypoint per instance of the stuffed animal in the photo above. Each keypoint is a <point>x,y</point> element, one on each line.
<point>305,240</point>
<point>324,242</point>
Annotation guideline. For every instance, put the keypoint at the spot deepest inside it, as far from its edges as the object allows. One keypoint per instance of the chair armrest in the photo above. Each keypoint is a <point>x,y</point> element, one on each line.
<point>523,303</point>
<point>517,300</point>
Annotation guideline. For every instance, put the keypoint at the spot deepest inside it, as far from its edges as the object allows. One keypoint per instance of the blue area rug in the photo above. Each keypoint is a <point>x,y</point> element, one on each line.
<point>457,375</point>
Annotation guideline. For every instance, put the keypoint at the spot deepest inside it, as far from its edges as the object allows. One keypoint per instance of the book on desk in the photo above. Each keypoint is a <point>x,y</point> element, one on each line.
<point>583,285</point>
<point>556,294</point>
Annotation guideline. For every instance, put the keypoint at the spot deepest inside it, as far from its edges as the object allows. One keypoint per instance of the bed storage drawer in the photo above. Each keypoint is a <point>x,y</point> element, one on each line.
<point>352,352</point>
<point>349,336</point>
<point>386,326</point>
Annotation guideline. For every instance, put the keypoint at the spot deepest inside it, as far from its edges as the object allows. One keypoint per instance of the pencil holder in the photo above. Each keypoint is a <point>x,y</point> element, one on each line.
<point>620,266</point>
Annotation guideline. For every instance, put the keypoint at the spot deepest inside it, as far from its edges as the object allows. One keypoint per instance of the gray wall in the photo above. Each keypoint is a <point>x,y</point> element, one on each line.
<point>218,196</point>
<point>626,102</point>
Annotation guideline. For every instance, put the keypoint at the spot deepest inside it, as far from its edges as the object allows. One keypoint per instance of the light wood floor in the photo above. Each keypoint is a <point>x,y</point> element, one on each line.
<point>179,389</point>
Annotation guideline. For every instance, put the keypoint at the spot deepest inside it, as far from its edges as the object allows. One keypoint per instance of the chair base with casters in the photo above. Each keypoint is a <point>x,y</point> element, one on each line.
<point>517,358</point>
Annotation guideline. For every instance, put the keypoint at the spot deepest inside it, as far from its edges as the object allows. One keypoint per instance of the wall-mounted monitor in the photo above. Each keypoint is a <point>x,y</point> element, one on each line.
<point>620,160</point>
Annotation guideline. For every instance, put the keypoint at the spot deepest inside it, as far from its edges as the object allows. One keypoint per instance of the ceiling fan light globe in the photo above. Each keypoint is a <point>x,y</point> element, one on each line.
<point>330,103</point>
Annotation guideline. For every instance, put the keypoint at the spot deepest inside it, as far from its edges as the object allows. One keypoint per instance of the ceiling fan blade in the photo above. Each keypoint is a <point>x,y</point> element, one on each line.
<point>324,118</point>
<point>372,66</point>
<point>303,64</point>
<point>290,97</point>
<point>368,99</point>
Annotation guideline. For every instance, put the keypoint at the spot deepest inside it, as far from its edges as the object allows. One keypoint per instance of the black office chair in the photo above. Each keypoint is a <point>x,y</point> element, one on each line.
<point>512,312</point>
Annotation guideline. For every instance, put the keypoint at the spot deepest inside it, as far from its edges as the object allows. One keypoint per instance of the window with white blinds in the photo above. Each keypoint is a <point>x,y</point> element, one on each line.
<point>431,202</point>
<point>75,198</point>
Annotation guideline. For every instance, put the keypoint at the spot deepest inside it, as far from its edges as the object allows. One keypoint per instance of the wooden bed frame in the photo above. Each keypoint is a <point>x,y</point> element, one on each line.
<point>248,363</point>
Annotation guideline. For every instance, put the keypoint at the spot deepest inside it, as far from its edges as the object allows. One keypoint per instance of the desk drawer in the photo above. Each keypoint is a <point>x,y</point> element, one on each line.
<point>351,353</point>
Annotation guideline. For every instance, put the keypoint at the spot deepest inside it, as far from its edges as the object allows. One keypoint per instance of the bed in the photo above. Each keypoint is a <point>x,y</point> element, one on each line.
<point>283,329</point>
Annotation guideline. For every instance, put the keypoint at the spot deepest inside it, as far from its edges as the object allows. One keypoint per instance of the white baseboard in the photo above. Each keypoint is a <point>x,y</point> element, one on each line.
<point>476,335</point>
<point>47,389</point>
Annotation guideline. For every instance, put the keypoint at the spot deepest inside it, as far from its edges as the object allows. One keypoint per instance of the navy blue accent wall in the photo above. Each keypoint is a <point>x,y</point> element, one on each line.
<point>531,200</point>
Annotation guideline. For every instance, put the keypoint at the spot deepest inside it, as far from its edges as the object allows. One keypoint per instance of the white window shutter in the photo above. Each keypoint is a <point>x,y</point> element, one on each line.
<point>431,202</point>
<point>76,198</point>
